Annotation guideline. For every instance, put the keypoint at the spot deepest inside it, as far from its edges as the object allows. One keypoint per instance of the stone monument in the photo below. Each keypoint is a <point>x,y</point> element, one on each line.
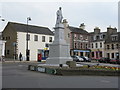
<point>59,51</point>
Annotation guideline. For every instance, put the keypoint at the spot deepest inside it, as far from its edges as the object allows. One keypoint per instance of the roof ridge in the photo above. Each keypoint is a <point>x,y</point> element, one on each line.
<point>26,24</point>
<point>20,27</point>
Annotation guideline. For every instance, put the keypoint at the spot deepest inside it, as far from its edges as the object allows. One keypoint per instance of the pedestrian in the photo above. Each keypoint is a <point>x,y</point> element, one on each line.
<point>3,58</point>
<point>20,57</point>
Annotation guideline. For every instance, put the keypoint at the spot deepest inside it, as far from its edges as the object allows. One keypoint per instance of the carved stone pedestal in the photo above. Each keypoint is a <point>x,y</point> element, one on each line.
<point>59,51</point>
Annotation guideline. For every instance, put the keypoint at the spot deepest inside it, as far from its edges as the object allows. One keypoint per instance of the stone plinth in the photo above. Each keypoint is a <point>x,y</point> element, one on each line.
<point>59,51</point>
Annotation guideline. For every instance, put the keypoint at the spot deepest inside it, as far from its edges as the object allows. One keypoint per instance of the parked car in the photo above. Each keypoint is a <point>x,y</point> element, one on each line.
<point>75,58</point>
<point>115,61</point>
<point>104,60</point>
<point>86,59</point>
<point>80,59</point>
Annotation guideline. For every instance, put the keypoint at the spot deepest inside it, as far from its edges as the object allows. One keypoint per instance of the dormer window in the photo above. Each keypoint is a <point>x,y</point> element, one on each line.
<point>114,38</point>
<point>103,36</point>
<point>97,37</point>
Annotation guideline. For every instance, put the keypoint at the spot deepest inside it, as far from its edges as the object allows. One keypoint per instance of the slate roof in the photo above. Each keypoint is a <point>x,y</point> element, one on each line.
<point>31,28</point>
<point>77,30</point>
<point>92,34</point>
<point>109,38</point>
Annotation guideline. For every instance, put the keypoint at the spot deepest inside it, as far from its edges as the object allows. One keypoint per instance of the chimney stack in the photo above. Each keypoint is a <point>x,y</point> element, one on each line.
<point>65,22</point>
<point>82,26</point>
<point>96,30</point>
<point>111,30</point>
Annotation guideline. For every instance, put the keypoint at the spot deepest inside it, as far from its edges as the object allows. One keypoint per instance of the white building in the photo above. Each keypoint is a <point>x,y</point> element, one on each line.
<point>2,46</point>
<point>39,39</point>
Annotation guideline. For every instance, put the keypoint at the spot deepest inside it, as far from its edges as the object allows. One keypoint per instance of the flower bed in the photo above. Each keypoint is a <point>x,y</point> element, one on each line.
<point>85,70</point>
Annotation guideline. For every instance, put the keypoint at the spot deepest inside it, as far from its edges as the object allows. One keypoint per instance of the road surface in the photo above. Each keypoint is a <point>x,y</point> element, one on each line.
<point>16,75</point>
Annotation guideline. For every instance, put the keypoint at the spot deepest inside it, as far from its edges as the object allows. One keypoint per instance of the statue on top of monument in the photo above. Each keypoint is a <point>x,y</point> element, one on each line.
<point>59,16</point>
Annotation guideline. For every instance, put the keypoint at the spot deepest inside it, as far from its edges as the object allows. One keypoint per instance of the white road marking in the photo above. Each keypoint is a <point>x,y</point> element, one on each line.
<point>105,81</point>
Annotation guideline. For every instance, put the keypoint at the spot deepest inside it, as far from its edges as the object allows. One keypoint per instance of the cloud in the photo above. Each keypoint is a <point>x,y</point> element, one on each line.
<point>93,14</point>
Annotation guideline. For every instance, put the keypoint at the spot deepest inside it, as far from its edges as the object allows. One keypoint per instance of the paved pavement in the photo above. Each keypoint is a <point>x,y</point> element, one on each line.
<point>16,75</point>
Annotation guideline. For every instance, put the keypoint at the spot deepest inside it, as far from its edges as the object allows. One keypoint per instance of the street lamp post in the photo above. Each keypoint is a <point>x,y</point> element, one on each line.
<point>27,51</point>
<point>14,44</point>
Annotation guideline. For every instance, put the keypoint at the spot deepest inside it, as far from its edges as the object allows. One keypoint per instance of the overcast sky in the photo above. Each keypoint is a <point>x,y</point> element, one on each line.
<point>100,13</point>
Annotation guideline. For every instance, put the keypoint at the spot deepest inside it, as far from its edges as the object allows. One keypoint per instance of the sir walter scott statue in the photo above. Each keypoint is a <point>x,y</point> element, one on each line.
<point>59,16</point>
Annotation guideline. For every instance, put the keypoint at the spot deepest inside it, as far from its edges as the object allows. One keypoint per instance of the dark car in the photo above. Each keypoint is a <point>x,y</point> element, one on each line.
<point>75,58</point>
<point>115,61</point>
<point>104,60</point>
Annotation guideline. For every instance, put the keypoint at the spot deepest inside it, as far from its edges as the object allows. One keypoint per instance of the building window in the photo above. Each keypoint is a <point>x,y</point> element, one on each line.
<point>92,38</point>
<point>114,38</point>
<point>68,35</point>
<point>43,38</point>
<point>112,46</point>
<point>117,46</point>
<point>81,37</point>
<point>6,38</point>
<point>8,52</point>
<point>96,45</point>
<point>103,36</point>
<point>112,55</point>
<point>97,37</point>
<point>75,45</point>
<point>86,46</point>
<point>92,45</point>
<point>92,54</point>
<point>9,38</point>
<point>108,55</point>
<point>3,38</point>
<point>100,54</point>
<point>27,36</point>
<point>35,37</point>
<point>81,53</point>
<point>108,47</point>
<point>50,39</point>
<point>47,45</point>
<point>75,36</point>
<point>86,38</point>
<point>97,55</point>
<point>100,45</point>
<point>81,45</point>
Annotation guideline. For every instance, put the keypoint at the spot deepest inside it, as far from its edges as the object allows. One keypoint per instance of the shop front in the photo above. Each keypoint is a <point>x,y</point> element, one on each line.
<point>42,54</point>
<point>96,54</point>
<point>80,53</point>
